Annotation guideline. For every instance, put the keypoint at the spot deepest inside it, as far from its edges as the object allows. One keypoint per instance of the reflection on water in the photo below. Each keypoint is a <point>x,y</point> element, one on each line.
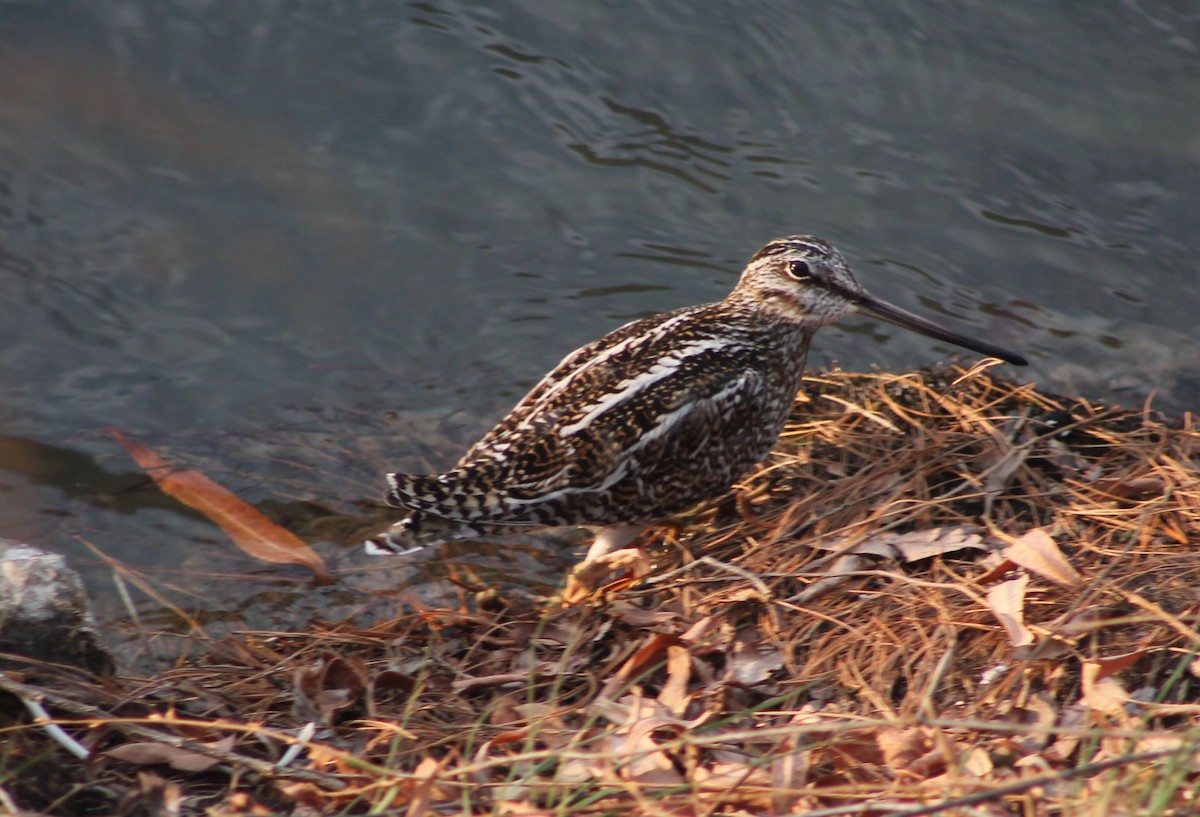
<point>303,247</point>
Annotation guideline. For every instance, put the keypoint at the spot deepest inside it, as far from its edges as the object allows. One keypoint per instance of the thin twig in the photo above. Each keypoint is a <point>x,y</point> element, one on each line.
<point>97,715</point>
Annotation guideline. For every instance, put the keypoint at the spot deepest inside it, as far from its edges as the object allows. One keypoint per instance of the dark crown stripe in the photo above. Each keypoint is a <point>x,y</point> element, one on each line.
<point>795,243</point>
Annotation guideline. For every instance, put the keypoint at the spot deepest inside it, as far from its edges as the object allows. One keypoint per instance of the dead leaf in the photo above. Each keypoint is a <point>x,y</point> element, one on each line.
<point>913,545</point>
<point>674,695</point>
<point>1060,455</point>
<point>1169,743</point>
<point>1103,693</point>
<point>698,630</point>
<point>249,528</point>
<point>978,762</point>
<point>900,747</point>
<point>1002,568</point>
<point>634,749</point>
<point>305,794</point>
<point>839,571</point>
<point>1074,717</point>
<point>1131,487</point>
<point>429,788</point>
<point>388,686</point>
<point>789,768</point>
<point>646,658</point>
<point>751,663</point>
<point>1007,602</point>
<point>924,544</point>
<point>511,808</point>
<point>327,687</point>
<point>585,579</point>
<point>1038,553</point>
<point>183,760</point>
<point>1006,460</point>
<point>1115,663</point>
<point>154,796</point>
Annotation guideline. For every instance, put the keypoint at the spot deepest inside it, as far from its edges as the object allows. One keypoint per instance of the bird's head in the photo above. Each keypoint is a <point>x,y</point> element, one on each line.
<point>805,280</point>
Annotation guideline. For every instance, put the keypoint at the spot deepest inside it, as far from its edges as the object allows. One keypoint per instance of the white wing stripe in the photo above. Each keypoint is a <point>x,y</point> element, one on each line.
<point>662,368</point>
<point>663,328</point>
<point>665,422</point>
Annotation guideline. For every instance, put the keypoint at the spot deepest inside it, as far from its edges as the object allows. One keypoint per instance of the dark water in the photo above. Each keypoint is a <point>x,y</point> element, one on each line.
<point>297,244</point>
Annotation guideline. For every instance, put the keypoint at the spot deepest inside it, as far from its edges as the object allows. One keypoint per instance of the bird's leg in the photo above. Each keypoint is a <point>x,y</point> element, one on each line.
<point>610,538</point>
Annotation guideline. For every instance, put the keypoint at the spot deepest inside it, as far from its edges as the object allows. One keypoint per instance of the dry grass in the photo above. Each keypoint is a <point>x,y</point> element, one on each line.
<point>942,593</point>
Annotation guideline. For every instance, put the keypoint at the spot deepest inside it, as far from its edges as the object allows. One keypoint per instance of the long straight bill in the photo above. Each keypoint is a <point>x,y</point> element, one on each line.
<point>882,310</point>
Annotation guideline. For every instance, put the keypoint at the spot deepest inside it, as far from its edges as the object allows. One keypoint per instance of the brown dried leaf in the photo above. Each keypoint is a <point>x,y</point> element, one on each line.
<point>1038,553</point>
<point>914,545</point>
<point>429,788</point>
<point>1132,487</point>
<point>752,663</point>
<point>329,686</point>
<point>900,747</point>
<point>979,763</point>
<point>1007,602</point>
<point>1073,718</point>
<point>637,753</point>
<point>183,760</point>
<point>308,795</point>
<point>387,686</point>
<point>997,571</point>
<point>789,771</point>
<point>674,695</point>
<point>156,796</point>
<point>1103,694</point>
<point>1007,459</point>
<point>587,577</point>
<point>1115,663</point>
<point>839,571</point>
<point>650,654</point>
<point>923,544</point>
<point>512,808</point>
<point>698,630</point>
<point>249,528</point>
<point>1064,459</point>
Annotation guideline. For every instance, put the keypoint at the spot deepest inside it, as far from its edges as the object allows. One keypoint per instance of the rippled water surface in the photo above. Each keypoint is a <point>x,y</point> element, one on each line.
<point>296,245</point>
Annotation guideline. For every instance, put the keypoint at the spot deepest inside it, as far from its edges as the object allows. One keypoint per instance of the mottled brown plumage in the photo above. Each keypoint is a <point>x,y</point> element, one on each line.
<point>653,418</point>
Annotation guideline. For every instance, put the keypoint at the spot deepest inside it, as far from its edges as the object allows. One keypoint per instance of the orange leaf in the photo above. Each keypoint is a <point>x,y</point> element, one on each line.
<point>252,531</point>
<point>1113,664</point>
<point>997,571</point>
<point>648,656</point>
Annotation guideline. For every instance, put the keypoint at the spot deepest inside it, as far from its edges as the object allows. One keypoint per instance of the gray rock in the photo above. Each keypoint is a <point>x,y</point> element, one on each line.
<point>44,611</point>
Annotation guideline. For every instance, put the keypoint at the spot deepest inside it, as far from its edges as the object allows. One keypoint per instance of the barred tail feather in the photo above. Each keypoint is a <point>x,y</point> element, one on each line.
<point>417,531</point>
<point>423,492</point>
<point>387,544</point>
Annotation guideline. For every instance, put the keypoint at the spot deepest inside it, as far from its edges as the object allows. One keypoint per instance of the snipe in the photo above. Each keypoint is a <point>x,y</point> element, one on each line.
<point>655,417</point>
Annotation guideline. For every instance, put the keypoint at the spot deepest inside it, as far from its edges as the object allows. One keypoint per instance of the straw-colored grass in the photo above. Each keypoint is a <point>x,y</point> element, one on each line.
<point>941,593</point>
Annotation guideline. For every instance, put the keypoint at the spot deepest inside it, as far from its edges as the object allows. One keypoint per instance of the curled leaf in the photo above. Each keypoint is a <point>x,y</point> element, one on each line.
<point>1007,602</point>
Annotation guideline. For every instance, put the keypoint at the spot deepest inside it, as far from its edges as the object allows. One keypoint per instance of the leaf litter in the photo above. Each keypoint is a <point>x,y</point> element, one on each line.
<point>941,593</point>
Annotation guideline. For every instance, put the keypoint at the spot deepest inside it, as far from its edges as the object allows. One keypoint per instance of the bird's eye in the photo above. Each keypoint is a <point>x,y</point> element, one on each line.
<point>799,270</point>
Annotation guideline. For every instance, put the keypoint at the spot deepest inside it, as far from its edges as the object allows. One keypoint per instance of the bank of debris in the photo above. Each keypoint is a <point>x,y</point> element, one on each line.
<point>942,592</point>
